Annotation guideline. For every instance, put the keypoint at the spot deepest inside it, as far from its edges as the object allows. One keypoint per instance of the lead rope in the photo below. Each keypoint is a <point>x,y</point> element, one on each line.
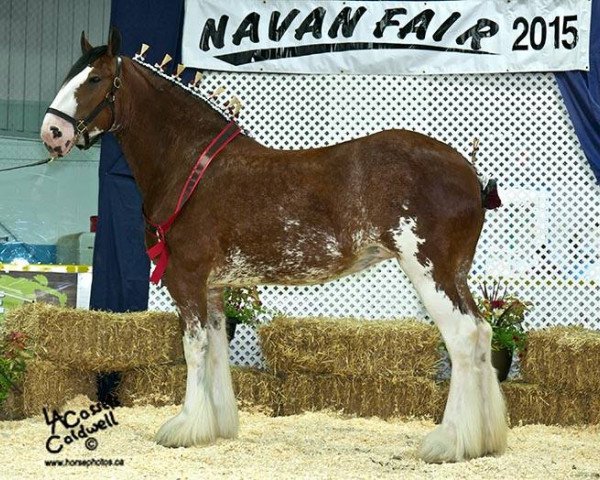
<point>34,164</point>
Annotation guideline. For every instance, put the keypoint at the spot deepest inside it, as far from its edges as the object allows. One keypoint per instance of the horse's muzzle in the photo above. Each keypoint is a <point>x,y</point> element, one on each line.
<point>58,135</point>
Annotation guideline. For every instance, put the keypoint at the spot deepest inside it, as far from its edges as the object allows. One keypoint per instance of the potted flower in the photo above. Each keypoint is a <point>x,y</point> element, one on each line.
<point>505,313</point>
<point>242,305</point>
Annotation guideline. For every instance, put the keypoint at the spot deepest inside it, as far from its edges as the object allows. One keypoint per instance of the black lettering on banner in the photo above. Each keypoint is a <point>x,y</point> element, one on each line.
<point>418,25</point>
<point>387,20</point>
<point>347,23</point>
<point>248,28</point>
<point>538,30</point>
<point>451,20</point>
<point>537,21</point>
<point>312,23</point>
<point>212,33</point>
<point>555,25</point>
<point>570,29</point>
<point>484,28</point>
<point>276,32</point>
<point>517,45</point>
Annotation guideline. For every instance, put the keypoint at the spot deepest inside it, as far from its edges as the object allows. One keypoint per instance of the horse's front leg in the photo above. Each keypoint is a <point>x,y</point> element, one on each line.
<point>221,389</point>
<point>196,423</point>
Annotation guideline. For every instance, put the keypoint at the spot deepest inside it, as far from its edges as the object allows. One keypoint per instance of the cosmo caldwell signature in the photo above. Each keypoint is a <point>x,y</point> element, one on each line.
<point>80,425</point>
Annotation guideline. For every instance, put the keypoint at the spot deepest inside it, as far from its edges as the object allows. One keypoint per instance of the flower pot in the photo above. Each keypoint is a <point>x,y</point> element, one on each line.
<point>502,360</point>
<point>231,324</point>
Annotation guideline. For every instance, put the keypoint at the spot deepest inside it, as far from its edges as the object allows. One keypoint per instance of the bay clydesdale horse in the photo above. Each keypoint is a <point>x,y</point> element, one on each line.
<point>265,216</point>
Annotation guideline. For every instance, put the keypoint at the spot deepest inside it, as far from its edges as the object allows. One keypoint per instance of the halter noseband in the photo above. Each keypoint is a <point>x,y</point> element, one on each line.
<point>81,126</point>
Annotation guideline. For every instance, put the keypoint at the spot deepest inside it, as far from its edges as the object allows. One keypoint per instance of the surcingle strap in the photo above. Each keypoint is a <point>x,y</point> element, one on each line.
<point>159,252</point>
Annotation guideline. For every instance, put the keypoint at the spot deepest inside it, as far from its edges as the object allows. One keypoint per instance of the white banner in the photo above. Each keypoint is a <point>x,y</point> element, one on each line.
<point>387,37</point>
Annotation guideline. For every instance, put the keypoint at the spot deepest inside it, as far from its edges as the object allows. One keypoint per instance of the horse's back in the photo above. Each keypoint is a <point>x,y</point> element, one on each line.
<point>409,174</point>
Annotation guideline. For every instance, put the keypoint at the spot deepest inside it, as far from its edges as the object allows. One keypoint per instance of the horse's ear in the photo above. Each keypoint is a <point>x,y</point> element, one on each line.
<point>114,41</point>
<point>85,45</point>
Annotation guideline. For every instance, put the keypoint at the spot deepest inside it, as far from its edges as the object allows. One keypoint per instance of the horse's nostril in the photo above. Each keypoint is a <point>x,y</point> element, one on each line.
<point>57,150</point>
<point>56,133</point>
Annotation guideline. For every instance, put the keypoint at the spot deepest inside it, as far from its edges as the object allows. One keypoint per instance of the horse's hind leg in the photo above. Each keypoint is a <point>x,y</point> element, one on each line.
<point>493,407</point>
<point>474,399</point>
<point>196,423</point>
<point>494,410</point>
<point>224,402</point>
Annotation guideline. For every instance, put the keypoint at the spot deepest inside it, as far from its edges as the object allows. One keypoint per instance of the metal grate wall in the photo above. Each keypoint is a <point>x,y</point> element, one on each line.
<point>39,41</point>
<point>545,240</point>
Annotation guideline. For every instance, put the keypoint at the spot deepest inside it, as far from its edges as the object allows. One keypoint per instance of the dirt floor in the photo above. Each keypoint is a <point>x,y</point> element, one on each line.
<point>312,445</point>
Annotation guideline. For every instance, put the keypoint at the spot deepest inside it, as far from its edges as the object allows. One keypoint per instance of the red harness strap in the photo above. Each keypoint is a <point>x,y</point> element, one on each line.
<point>159,249</point>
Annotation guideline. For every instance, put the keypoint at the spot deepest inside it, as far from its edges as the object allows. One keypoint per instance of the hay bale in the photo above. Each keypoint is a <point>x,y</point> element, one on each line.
<point>350,347</point>
<point>257,388</point>
<point>12,408</point>
<point>563,358</point>
<point>46,384</point>
<point>381,395</point>
<point>99,341</point>
<point>595,410</point>
<point>158,385</point>
<point>525,403</point>
<point>165,385</point>
<point>531,404</point>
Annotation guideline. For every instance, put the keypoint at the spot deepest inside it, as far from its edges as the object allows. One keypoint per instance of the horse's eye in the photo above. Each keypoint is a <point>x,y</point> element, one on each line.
<point>94,79</point>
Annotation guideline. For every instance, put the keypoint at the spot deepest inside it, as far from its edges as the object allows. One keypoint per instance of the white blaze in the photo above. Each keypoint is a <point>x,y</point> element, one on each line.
<point>65,98</point>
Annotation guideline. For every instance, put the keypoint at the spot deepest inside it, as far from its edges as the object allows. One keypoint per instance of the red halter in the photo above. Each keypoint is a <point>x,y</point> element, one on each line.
<point>160,250</point>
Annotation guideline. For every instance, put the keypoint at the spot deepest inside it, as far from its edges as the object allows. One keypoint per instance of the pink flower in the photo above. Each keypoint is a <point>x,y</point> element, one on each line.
<point>497,304</point>
<point>16,340</point>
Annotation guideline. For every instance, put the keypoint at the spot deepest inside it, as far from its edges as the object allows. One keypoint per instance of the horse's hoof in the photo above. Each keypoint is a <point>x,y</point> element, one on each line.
<point>185,431</point>
<point>439,446</point>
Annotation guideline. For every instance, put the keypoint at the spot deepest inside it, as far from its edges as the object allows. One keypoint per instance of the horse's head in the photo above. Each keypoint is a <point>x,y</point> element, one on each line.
<point>84,105</point>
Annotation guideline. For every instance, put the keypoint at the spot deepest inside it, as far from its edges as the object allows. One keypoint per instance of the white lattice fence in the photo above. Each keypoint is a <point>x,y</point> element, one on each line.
<point>545,240</point>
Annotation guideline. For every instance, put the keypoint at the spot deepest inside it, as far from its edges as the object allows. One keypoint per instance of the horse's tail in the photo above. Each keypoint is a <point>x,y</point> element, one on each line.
<point>490,200</point>
<point>489,193</point>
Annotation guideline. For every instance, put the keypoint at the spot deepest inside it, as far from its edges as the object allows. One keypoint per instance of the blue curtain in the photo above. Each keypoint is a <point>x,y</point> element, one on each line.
<point>121,266</point>
<point>581,93</point>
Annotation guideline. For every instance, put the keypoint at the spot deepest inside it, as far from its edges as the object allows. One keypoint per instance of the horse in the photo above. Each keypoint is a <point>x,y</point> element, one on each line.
<point>292,217</point>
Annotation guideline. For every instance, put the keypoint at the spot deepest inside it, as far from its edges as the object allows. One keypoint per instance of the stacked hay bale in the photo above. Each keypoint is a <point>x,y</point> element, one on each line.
<point>71,346</point>
<point>165,385</point>
<point>562,371</point>
<point>97,341</point>
<point>367,368</point>
<point>46,384</point>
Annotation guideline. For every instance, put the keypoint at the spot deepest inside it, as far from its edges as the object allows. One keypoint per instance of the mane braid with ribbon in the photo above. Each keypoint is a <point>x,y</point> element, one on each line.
<point>226,112</point>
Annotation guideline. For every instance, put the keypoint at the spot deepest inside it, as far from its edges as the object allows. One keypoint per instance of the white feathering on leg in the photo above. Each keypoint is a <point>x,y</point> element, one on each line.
<point>196,423</point>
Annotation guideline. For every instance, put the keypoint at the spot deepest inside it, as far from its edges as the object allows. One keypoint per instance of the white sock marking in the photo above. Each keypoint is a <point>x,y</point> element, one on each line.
<point>461,434</point>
